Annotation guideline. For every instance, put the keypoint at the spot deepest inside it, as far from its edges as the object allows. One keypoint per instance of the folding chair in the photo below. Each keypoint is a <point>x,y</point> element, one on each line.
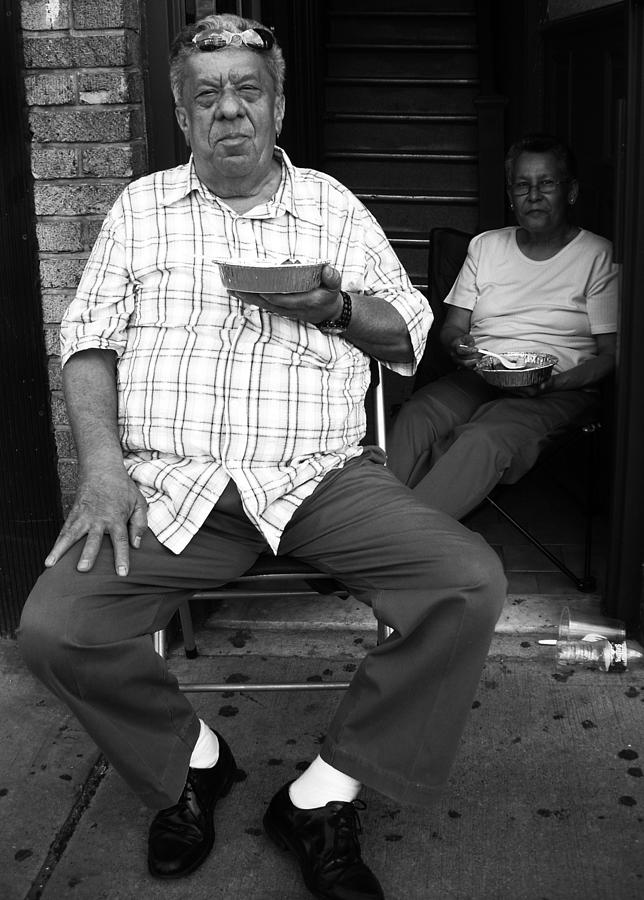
<point>279,576</point>
<point>447,252</point>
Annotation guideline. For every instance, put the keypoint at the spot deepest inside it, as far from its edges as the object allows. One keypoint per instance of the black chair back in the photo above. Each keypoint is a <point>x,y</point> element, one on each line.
<point>447,252</point>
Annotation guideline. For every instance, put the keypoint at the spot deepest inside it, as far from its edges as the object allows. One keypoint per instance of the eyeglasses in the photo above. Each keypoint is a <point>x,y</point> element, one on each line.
<point>544,186</point>
<point>254,38</point>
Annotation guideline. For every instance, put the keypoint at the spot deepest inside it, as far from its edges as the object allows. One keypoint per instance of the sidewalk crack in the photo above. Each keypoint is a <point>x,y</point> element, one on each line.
<point>67,829</point>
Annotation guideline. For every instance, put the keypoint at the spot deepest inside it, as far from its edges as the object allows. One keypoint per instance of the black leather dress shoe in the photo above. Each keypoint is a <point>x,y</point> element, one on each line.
<point>325,841</point>
<point>181,836</point>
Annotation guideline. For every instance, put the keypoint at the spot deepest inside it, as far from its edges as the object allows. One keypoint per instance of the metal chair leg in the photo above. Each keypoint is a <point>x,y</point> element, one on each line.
<point>189,643</point>
<point>591,431</point>
<point>158,639</point>
<point>191,652</point>
<point>585,583</point>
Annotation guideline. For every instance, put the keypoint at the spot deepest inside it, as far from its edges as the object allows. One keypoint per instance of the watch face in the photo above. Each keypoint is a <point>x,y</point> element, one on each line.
<point>332,329</point>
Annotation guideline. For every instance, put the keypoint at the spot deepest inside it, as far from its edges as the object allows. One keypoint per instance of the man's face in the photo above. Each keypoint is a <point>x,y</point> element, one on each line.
<point>229,116</point>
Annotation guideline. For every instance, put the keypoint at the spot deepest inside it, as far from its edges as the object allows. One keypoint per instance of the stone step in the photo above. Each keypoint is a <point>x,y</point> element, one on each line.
<point>434,95</point>
<point>441,60</point>
<point>398,26</point>
<point>407,133</point>
<point>316,661</point>
<point>328,626</point>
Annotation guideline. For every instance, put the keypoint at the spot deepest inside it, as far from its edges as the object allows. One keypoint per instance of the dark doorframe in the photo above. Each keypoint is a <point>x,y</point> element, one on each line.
<point>584,60</point>
<point>300,26</point>
<point>29,507</point>
<point>590,62</point>
<point>625,582</point>
<point>162,19</point>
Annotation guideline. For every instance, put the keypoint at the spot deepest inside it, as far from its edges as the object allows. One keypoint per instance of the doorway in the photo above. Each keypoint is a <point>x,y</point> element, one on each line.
<point>30,510</point>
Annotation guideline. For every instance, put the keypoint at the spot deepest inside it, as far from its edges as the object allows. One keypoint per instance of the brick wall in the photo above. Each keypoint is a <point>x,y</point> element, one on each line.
<point>84,91</point>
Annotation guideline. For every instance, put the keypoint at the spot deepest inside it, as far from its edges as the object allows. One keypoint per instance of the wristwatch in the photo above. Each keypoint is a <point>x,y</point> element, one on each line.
<point>339,325</point>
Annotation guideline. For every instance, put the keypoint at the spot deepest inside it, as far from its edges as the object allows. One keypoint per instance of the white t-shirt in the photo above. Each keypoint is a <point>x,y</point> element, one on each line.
<point>555,305</point>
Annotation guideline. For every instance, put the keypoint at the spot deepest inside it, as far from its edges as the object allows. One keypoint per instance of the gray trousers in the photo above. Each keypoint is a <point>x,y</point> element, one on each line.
<point>397,728</point>
<point>458,437</point>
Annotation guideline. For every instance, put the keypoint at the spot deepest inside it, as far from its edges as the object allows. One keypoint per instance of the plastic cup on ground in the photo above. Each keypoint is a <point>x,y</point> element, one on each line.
<point>602,654</point>
<point>579,625</point>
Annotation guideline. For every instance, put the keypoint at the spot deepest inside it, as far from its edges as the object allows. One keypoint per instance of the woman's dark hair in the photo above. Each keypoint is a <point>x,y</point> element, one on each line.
<point>540,143</point>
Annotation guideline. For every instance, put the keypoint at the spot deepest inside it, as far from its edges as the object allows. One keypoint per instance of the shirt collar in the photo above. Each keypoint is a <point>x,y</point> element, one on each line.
<point>181,181</point>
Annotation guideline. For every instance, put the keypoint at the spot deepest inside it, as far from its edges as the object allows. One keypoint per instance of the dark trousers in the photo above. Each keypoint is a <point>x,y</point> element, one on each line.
<point>87,636</point>
<point>458,437</point>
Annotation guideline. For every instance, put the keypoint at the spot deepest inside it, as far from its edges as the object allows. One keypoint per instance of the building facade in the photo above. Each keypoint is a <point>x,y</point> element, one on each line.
<point>85,101</point>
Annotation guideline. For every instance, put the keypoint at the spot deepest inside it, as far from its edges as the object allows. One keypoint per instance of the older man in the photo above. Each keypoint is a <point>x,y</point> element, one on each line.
<point>212,427</point>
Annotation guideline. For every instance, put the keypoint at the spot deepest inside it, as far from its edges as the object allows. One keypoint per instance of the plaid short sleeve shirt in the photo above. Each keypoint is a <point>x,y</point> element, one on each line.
<point>210,389</point>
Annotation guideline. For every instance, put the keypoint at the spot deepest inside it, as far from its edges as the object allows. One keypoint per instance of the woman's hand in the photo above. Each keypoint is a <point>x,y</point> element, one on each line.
<point>585,375</point>
<point>531,390</point>
<point>456,337</point>
<point>463,351</point>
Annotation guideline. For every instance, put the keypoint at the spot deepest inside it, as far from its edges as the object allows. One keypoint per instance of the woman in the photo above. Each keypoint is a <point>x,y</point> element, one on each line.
<point>545,285</point>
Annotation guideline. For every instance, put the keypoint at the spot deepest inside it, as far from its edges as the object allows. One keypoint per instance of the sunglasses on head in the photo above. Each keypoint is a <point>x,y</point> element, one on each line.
<point>254,38</point>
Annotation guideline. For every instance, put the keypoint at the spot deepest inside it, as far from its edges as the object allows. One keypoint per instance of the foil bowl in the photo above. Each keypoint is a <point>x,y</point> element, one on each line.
<point>536,368</point>
<point>264,276</point>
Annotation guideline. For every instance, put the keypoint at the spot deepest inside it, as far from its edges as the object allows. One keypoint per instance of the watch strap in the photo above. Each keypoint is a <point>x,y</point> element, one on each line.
<point>339,325</point>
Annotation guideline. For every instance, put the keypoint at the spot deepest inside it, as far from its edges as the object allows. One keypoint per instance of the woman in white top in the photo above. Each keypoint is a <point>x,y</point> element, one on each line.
<point>545,284</point>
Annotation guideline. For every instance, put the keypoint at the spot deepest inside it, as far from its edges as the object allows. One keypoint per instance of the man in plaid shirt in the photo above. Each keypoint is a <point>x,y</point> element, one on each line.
<point>212,427</point>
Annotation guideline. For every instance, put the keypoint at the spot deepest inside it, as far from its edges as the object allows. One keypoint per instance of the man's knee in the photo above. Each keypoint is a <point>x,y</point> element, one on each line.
<point>461,581</point>
<point>411,418</point>
<point>483,570</point>
<point>41,632</point>
<point>473,571</point>
<point>455,559</point>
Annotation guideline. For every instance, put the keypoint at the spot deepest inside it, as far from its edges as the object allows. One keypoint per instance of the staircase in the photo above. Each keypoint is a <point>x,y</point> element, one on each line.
<point>400,126</point>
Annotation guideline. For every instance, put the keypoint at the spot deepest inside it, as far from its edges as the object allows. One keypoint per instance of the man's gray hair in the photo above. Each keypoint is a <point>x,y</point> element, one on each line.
<point>183,47</point>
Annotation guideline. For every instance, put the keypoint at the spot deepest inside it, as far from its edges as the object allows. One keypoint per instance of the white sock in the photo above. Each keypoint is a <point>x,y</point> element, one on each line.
<point>320,784</point>
<point>206,750</point>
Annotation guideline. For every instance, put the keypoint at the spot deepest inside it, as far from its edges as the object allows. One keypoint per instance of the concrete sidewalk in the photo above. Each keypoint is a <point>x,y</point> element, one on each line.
<point>546,800</point>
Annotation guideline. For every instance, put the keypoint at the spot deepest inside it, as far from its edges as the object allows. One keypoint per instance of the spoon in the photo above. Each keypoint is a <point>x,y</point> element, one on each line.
<point>508,363</point>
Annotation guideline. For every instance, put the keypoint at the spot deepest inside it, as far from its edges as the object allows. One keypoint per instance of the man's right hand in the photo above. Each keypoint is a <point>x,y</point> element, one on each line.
<point>105,503</point>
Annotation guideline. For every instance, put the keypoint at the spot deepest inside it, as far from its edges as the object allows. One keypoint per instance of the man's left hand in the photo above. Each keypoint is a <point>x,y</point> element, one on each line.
<point>314,306</point>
